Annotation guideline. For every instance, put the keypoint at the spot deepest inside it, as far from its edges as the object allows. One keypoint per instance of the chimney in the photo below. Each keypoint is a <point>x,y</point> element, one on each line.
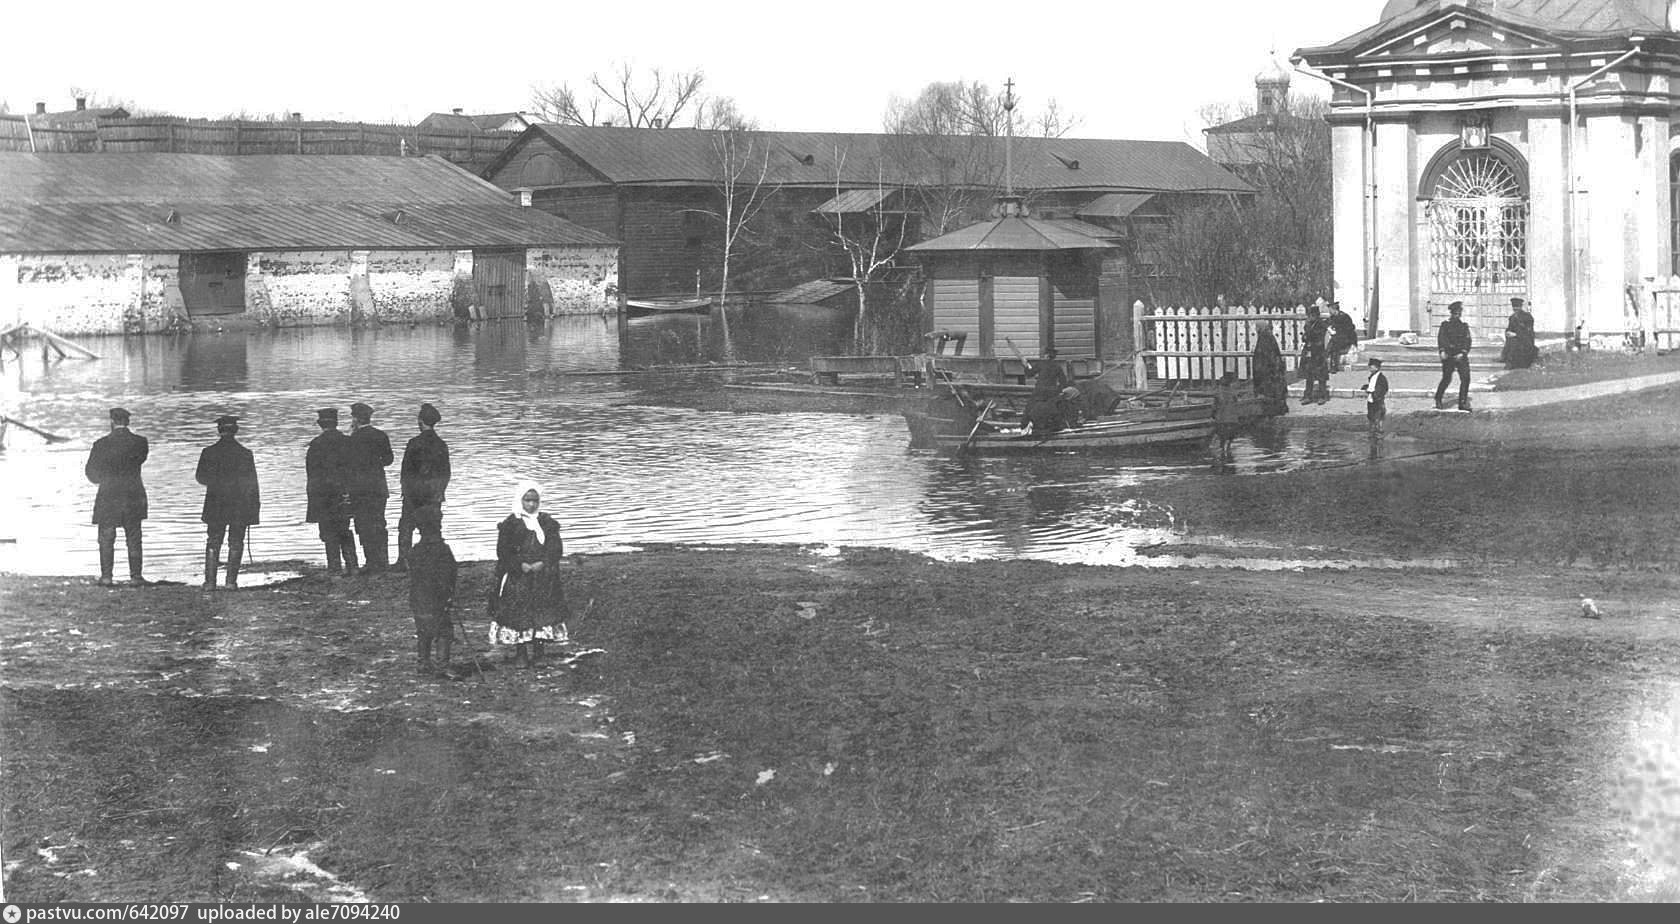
<point>297,117</point>
<point>81,103</point>
<point>456,110</point>
<point>40,108</point>
<point>658,123</point>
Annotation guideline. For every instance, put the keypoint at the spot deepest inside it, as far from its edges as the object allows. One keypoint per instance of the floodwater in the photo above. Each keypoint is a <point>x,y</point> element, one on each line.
<point>624,463</point>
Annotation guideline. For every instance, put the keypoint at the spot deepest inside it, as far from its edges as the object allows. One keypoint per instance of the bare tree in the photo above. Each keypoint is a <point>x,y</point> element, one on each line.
<point>1274,248</point>
<point>741,160</point>
<point>723,114</point>
<point>870,238</point>
<point>654,99</point>
<point>947,143</point>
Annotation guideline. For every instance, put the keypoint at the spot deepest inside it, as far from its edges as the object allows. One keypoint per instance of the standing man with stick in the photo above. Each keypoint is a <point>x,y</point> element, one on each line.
<point>114,465</point>
<point>369,456</point>
<point>232,502</point>
<point>424,476</point>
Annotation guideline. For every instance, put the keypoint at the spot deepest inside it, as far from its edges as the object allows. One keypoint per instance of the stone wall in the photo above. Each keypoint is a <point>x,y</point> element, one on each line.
<point>584,279</point>
<point>139,293</point>
<point>88,293</point>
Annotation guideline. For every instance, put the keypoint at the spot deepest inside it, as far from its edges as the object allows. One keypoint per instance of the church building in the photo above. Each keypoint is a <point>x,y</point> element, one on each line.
<point>1491,149</point>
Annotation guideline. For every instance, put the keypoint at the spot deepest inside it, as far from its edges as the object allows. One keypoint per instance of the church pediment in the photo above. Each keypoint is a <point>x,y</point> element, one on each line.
<point>1455,33</point>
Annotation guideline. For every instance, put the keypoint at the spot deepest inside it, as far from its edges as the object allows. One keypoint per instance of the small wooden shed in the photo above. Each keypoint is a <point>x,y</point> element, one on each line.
<point>1018,285</point>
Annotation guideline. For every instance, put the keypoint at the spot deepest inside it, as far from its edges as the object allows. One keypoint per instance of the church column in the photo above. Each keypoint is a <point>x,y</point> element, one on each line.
<point>1401,297</point>
<point>1548,245</point>
<point>1350,247</point>
<point>1609,254</point>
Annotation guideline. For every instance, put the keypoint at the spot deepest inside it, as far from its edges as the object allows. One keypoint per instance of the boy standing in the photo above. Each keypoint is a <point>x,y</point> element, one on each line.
<point>431,590</point>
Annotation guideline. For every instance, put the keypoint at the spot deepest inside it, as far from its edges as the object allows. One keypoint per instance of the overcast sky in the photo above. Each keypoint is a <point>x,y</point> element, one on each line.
<point>808,66</point>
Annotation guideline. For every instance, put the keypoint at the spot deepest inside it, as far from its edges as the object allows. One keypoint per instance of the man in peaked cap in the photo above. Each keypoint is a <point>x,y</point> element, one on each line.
<point>424,475</point>
<point>114,464</point>
<point>329,504</point>
<point>232,501</point>
<point>369,456</point>
<point>1452,341</point>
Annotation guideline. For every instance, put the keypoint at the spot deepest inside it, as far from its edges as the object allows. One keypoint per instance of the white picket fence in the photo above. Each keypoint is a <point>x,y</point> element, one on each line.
<point>1199,344</point>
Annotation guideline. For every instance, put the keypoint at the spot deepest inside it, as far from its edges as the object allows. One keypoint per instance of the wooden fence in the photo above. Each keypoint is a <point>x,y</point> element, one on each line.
<point>172,134</point>
<point>1200,344</point>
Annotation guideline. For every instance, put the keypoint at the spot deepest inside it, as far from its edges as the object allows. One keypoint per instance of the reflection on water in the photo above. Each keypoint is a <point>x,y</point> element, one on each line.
<point>624,465</point>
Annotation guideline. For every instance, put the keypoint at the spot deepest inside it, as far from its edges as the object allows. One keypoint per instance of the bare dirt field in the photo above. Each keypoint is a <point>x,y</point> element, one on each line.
<point>775,723</point>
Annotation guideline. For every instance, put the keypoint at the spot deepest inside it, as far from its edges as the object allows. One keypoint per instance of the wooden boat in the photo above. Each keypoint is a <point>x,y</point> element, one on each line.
<point>991,419</point>
<point>679,305</point>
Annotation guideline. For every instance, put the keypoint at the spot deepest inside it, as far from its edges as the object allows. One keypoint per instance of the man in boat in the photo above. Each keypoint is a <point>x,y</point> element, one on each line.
<point>1051,407</point>
<point>114,465</point>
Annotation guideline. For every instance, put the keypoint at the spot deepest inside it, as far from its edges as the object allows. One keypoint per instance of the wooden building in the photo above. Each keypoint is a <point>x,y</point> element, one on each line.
<point>1016,285</point>
<point>658,190</point>
<point>110,243</point>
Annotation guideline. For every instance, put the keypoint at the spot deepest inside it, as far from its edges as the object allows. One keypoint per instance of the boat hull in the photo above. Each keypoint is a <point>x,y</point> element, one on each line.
<point>1121,432</point>
<point>652,306</point>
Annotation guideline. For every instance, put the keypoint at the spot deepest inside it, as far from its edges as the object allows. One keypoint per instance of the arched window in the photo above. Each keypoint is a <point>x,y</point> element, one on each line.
<point>1674,214</point>
<point>1477,214</point>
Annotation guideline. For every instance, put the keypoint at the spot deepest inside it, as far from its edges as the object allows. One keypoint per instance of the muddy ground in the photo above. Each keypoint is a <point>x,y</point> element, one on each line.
<point>787,724</point>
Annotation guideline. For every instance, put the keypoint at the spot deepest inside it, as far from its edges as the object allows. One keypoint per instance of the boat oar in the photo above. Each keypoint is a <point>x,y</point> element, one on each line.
<point>49,437</point>
<point>979,419</point>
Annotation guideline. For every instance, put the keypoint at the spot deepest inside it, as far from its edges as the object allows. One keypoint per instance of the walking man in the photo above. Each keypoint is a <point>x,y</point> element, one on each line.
<point>232,502</point>
<point>424,476</point>
<point>369,456</point>
<point>1452,341</point>
<point>329,502</point>
<point>114,465</point>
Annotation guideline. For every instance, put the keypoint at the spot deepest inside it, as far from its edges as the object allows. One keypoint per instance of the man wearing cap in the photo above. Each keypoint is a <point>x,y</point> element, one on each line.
<point>114,465</point>
<point>424,475</point>
<point>1452,341</point>
<point>232,502</point>
<point>369,456</point>
<point>329,502</point>
<point>1376,401</point>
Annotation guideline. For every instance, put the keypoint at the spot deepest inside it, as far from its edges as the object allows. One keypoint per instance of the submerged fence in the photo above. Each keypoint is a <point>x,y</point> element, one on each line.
<point>1200,344</point>
<point>176,135</point>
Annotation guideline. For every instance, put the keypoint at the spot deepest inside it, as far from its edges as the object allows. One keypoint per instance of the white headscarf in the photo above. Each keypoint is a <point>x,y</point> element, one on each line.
<point>530,519</point>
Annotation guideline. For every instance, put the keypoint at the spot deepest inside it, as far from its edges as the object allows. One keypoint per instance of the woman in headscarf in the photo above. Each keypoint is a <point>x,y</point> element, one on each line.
<point>1271,377</point>
<point>530,601</point>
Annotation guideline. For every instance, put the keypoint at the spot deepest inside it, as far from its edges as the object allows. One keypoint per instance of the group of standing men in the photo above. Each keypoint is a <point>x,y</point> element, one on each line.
<point>345,485</point>
<point>347,491</point>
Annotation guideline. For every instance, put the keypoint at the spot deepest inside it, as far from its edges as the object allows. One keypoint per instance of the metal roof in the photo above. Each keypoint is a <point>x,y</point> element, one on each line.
<point>1563,18</point>
<point>1018,233</point>
<point>124,203</point>
<point>230,180</point>
<point>853,201</point>
<point>197,227</point>
<point>814,159</point>
<point>1113,205</point>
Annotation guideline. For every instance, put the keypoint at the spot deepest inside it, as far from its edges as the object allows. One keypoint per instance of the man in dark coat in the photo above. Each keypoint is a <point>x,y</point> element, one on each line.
<point>369,456</point>
<point>1343,336</point>
<point>1452,341</point>
<point>114,465</point>
<point>232,503</point>
<point>1315,357</point>
<point>1519,351</point>
<point>329,504</point>
<point>424,476</point>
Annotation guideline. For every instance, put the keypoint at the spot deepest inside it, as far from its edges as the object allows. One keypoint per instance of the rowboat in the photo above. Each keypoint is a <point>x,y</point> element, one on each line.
<point>651,306</point>
<point>992,419</point>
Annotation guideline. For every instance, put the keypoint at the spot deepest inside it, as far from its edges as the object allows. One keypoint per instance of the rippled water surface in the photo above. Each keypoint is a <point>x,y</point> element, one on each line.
<point>622,462</point>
